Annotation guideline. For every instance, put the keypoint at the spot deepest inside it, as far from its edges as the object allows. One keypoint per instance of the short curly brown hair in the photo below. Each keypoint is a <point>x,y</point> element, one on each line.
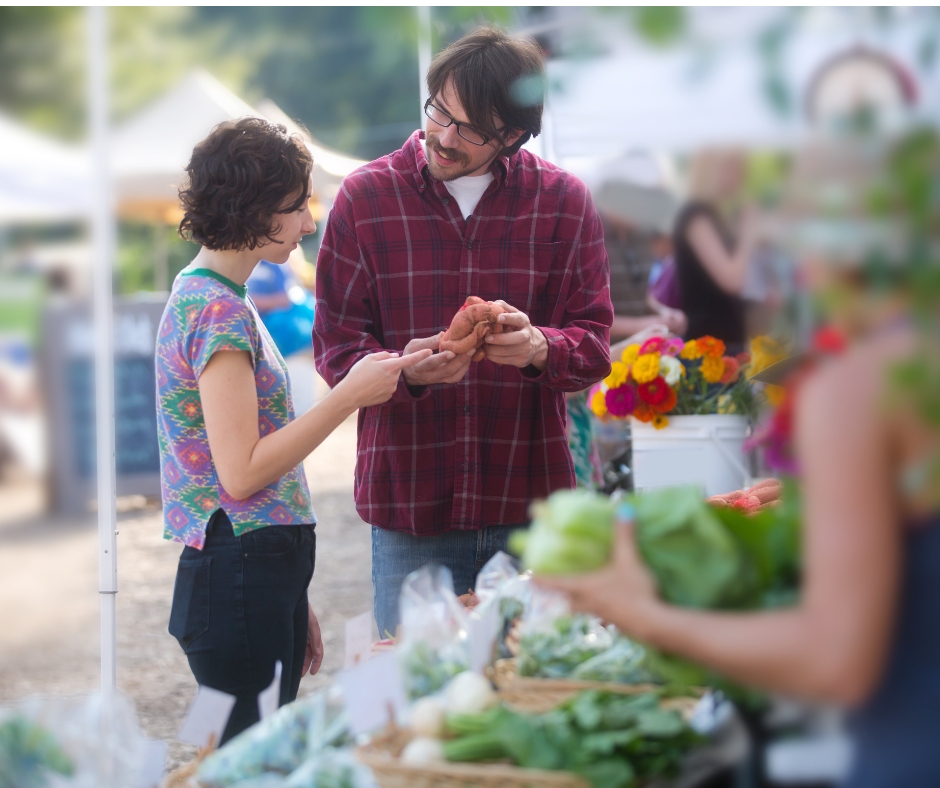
<point>239,178</point>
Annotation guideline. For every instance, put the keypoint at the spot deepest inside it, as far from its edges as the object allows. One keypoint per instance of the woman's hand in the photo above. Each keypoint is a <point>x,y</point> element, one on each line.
<point>374,378</point>
<point>313,655</point>
<point>622,593</point>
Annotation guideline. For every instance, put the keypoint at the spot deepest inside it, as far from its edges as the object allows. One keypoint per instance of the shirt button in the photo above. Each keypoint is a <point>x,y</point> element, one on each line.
<point>421,187</point>
<point>445,201</point>
<point>466,408</point>
<point>554,373</point>
<point>470,244</point>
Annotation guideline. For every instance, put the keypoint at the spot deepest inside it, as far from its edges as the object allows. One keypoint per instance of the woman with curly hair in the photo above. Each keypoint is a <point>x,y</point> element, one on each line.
<point>231,449</point>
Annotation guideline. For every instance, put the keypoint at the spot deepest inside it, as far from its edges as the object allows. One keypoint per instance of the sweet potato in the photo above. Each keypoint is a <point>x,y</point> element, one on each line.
<point>474,321</point>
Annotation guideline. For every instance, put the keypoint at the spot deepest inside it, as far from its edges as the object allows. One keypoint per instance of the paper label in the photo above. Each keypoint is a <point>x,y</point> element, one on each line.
<point>207,715</point>
<point>268,698</point>
<point>153,763</point>
<point>484,629</point>
<point>372,692</point>
<point>358,639</point>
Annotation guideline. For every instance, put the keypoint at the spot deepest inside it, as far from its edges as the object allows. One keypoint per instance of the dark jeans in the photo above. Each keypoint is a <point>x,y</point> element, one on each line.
<point>239,605</point>
<point>395,555</point>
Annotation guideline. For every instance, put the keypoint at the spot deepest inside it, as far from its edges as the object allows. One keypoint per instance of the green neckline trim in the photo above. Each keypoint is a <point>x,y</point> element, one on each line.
<point>240,290</point>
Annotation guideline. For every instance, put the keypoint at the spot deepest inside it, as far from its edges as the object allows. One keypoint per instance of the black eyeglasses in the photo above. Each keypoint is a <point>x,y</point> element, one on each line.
<point>466,132</point>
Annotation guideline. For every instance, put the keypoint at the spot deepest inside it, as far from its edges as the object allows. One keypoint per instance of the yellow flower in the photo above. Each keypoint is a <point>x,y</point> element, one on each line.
<point>660,421</point>
<point>599,404</point>
<point>726,404</point>
<point>630,354</point>
<point>617,376</point>
<point>646,368</point>
<point>690,351</point>
<point>764,352</point>
<point>775,395</point>
<point>713,367</point>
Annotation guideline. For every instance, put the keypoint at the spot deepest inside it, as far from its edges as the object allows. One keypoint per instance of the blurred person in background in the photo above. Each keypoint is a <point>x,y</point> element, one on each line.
<point>231,450</point>
<point>287,308</point>
<point>866,631</point>
<point>712,266</point>
<point>447,468</point>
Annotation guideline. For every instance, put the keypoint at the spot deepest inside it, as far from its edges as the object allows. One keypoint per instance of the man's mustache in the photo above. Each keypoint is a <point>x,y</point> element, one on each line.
<point>450,153</point>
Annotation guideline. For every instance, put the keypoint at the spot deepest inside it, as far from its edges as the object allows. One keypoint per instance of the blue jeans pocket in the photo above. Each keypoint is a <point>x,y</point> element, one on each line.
<point>189,614</point>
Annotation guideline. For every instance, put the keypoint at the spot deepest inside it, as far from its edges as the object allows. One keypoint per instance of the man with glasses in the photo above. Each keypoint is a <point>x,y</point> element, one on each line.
<point>447,468</point>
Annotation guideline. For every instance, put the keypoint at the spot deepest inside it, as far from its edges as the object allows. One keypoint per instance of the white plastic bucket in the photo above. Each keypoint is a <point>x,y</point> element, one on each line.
<point>707,451</point>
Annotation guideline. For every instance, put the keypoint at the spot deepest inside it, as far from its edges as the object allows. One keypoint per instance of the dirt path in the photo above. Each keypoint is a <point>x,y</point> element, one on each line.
<point>50,633</point>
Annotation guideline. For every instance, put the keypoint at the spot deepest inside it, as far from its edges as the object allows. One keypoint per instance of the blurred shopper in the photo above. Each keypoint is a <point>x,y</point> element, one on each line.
<point>713,267</point>
<point>866,632</point>
<point>663,293</point>
<point>447,469</point>
<point>234,489</point>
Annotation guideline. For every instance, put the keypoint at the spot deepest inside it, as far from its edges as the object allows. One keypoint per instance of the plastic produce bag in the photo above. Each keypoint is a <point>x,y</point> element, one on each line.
<point>434,643</point>
<point>279,744</point>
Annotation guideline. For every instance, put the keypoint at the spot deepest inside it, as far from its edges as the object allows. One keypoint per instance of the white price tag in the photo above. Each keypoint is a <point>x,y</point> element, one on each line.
<point>484,630</point>
<point>208,715</point>
<point>371,691</point>
<point>358,639</point>
<point>268,699</point>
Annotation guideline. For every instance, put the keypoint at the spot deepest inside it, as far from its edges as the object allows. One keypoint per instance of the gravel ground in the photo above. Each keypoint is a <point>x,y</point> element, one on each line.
<point>50,638</point>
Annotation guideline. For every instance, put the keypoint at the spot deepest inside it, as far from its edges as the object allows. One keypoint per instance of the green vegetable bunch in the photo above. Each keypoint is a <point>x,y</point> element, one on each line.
<point>611,740</point>
<point>426,669</point>
<point>570,533</point>
<point>29,754</point>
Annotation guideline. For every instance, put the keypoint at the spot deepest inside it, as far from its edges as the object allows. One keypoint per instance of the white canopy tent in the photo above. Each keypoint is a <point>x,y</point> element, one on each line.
<point>152,148</point>
<point>41,179</point>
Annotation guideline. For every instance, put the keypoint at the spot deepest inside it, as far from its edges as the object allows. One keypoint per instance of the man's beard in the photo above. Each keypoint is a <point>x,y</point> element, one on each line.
<point>460,159</point>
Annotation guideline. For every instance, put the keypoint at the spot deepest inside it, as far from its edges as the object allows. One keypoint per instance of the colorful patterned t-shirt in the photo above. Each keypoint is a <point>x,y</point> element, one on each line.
<point>207,313</point>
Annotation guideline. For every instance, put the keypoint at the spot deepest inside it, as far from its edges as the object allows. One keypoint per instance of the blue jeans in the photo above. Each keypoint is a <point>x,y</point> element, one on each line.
<point>239,605</point>
<point>396,555</point>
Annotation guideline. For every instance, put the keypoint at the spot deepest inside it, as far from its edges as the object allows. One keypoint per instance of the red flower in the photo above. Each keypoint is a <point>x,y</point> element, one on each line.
<point>654,393</point>
<point>653,345</point>
<point>668,404</point>
<point>644,413</point>
<point>731,370</point>
<point>829,340</point>
<point>743,358</point>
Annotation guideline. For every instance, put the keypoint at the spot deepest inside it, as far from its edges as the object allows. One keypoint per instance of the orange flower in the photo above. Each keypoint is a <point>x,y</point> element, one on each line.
<point>644,413</point>
<point>668,404</point>
<point>711,346</point>
<point>691,351</point>
<point>660,421</point>
<point>775,395</point>
<point>713,367</point>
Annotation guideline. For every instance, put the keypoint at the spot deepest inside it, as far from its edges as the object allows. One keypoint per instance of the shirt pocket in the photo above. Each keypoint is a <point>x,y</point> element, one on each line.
<point>521,274</point>
<point>189,613</point>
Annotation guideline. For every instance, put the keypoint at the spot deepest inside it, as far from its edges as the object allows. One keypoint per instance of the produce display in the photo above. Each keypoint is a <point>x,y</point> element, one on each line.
<point>474,321</point>
<point>29,754</point>
<point>611,740</point>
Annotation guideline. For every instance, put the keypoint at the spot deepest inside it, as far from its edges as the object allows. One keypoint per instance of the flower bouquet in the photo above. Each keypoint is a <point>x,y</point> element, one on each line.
<point>668,377</point>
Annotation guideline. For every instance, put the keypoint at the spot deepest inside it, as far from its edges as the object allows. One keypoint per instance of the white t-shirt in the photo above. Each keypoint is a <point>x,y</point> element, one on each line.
<point>467,190</point>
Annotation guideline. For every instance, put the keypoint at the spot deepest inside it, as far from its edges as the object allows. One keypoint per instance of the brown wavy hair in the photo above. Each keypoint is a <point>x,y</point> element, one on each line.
<point>239,179</point>
<point>494,72</point>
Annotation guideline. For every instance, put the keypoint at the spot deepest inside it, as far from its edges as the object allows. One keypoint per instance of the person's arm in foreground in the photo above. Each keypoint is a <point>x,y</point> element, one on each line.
<point>833,645</point>
<point>577,354</point>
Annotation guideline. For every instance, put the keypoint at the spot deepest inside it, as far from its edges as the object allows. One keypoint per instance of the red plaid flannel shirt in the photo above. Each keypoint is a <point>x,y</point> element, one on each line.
<point>396,262</point>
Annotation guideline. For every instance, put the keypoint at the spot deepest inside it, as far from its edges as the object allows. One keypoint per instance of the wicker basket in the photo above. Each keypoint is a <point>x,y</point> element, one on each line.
<point>381,755</point>
<point>538,695</point>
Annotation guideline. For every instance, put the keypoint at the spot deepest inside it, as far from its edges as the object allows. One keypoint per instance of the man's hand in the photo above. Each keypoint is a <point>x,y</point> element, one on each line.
<point>313,654</point>
<point>443,367</point>
<point>521,345</point>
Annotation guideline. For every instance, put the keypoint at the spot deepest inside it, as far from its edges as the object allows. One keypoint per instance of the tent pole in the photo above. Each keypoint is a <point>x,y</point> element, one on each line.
<point>103,242</point>
<point>424,56</point>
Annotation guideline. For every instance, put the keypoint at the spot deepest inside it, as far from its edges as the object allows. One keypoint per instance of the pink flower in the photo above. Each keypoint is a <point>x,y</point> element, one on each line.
<point>653,345</point>
<point>673,347</point>
<point>620,401</point>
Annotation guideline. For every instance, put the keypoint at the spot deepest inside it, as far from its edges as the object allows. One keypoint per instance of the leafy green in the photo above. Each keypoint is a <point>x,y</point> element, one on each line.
<point>425,670</point>
<point>611,740</point>
<point>29,754</point>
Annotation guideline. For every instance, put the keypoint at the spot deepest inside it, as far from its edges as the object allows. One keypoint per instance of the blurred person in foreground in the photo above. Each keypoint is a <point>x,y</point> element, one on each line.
<point>446,469</point>
<point>712,266</point>
<point>231,451</point>
<point>866,631</point>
